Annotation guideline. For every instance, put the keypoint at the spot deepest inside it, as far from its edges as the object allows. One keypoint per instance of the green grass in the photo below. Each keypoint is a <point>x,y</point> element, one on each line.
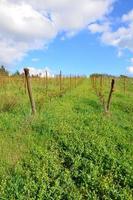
<point>70,149</point>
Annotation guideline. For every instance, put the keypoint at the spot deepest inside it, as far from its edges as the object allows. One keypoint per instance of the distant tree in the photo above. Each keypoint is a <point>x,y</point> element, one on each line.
<point>17,73</point>
<point>123,76</point>
<point>99,75</point>
<point>3,71</point>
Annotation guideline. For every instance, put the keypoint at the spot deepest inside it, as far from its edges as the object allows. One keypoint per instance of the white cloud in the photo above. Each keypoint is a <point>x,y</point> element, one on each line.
<point>131,60</point>
<point>22,21</point>
<point>122,37</point>
<point>24,29</point>
<point>70,15</point>
<point>128,17</point>
<point>130,69</point>
<point>10,50</point>
<point>29,25</point>
<point>99,28</point>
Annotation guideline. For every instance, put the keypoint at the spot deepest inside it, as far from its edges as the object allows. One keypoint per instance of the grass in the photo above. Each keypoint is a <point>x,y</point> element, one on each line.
<point>70,149</point>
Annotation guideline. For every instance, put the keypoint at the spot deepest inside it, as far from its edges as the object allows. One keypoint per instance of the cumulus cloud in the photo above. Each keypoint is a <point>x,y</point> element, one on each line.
<point>99,28</point>
<point>22,29</point>
<point>131,60</point>
<point>130,69</point>
<point>122,37</point>
<point>30,25</point>
<point>72,15</point>
<point>128,17</point>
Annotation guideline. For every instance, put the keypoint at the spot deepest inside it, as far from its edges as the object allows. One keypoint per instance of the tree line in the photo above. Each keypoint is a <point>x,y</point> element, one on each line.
<point>5,72</point>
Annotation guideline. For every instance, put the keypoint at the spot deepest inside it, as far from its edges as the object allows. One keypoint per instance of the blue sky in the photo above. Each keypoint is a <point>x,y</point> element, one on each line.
<point>100,45</point>
<point>81,54</point>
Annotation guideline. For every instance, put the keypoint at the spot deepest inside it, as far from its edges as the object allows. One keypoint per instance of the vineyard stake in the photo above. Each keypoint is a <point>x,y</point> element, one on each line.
<point>101,83</point>
<point>70,82</point>
<point>25,84</point>
<point>26,70</point>
<point>94,82</point>
<point>124,85</point>
<point>60,76</point>
<point>75,81</point>
<point>46,81</point>
<point>110,95</point>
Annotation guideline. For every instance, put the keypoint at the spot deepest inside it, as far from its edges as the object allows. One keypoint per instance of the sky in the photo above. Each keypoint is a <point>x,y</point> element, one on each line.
<point>74,36</point>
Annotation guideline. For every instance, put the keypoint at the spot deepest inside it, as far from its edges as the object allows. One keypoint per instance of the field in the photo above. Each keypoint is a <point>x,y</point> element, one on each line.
<point>70,149</point>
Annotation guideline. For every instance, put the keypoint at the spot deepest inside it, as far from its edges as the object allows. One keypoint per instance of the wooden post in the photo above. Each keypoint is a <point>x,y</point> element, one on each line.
<point>30,90</point>
<point>46,81</point>
<point>108,80</point>
<point>25,84</point>
<point>60,77</point>
<point>70,82</point>
<point>124,85</point>
<point>75,81</point>
<point>62,82</point>
<point>94,82</point>
<point>101,83</point>
<point>110,95</point>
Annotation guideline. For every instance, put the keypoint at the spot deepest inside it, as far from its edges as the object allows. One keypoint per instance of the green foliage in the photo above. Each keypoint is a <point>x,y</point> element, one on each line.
<point>99,75</point>
<point>17,73</point>
<point>70,150</point>
<point>123,76</point>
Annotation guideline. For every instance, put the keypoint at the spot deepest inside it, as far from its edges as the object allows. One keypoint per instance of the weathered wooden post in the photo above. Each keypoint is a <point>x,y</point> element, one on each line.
<point>101,83</point>
<point>60,77</point>
<point>63,81</point>
<point>26,70</point>
<point>70,82</point>
<point>93,82</point>
<point>46,81</point>
<point>25,85</point>
<point>110,95</point>
<point>124,85</point>
<point>75,81</point>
